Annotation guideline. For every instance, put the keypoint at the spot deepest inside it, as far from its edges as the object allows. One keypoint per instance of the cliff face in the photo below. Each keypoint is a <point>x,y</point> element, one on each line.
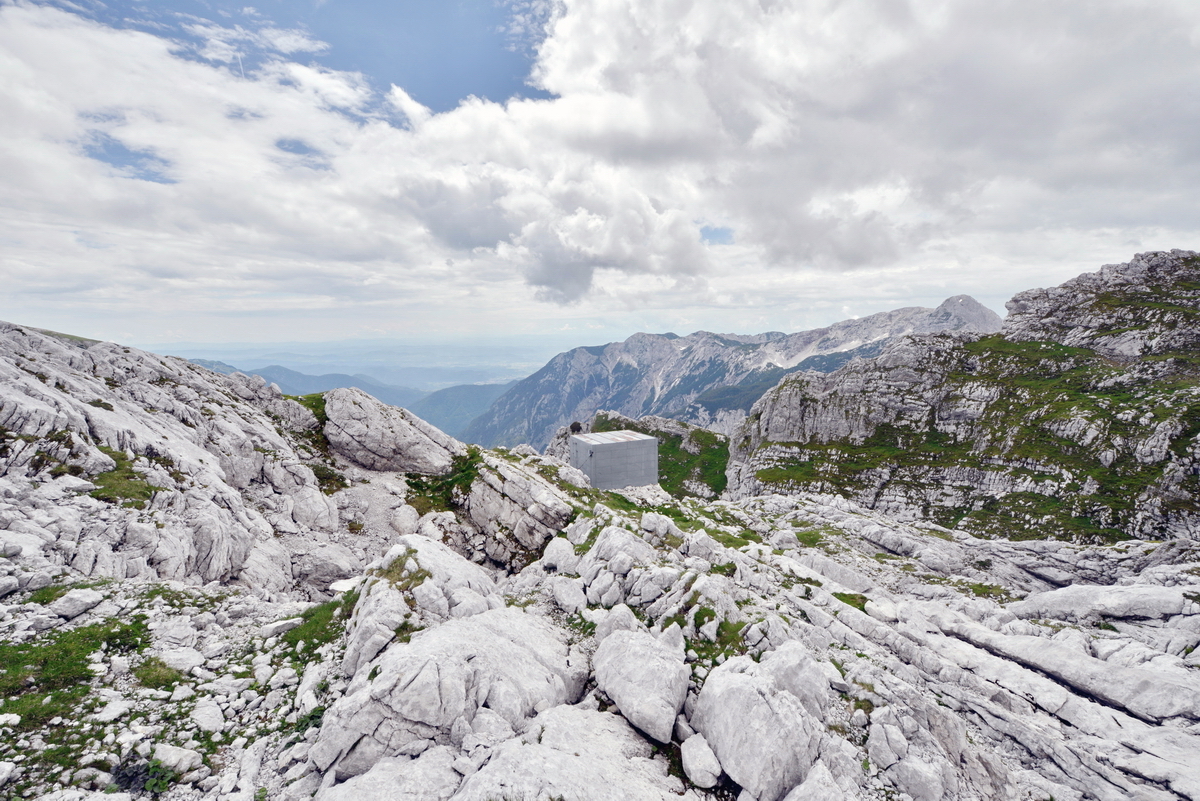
<point>704,378</point>
<point>1079,420</point>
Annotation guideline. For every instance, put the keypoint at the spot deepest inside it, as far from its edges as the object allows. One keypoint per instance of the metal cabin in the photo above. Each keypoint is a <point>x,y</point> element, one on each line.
<point>615,459</point>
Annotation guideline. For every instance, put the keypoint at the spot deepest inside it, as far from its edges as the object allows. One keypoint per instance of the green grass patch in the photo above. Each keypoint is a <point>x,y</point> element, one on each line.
<point>864,704</point>
<point>854,599</point>
<point>322,624</point>
<point>122,485</point>
<point>50,676</point>
<point>156,674</point>
<point>48,595</point>
<point>990,591</point>
<point>444,493</point>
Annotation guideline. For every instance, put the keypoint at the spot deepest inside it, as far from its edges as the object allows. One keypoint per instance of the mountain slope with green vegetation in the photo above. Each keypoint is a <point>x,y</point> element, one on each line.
<point>1079,421</point>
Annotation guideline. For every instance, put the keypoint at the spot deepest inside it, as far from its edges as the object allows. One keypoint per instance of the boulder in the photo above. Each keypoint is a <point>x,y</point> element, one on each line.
<point>647,679</point>
<point>429,777</point>
<point>381,437</point>
<point>699,762</point>
<point>75,603</point>
<point>1081,601</point>
<point>569,752</point>
<point>511,662</point>
<point>762,734</point>
<point>178,760</point>
<point>817,786</point>
<point>207,715</point>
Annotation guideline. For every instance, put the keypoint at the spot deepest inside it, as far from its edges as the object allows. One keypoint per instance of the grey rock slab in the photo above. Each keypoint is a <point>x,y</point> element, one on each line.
<point>568,594</point>
<point>112,710</point>
<point>179,760</point>
<point>207,715</point>
<point>1147,694</point>
<point>382,437</point>
<point>646,678</point>
<point>699,762</point>
<point>75,603</point>
<point>819,785</point>
<point>762,734</point>
<point>182,659</point>
<point>279,627</point>
<point>619,618</point>
<point>504,659</point>
<point>1081,601</point>
<point>429,777</point>
<point>568,752</point>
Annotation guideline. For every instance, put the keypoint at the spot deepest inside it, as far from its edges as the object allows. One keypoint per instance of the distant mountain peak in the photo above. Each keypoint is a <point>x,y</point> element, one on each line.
<point>665,375</point>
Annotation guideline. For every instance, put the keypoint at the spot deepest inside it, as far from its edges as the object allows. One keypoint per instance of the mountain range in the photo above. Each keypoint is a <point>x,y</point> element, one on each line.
<point>965,568</point>
<point>703,378</point>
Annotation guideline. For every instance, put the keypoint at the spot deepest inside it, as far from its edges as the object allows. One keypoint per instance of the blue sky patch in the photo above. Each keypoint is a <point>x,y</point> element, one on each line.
<point>717,235</point>
<point>140,164</point>
<point>439,51</point>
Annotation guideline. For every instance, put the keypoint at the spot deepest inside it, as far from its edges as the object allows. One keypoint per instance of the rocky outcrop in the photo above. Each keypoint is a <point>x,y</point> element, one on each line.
<point>648,680</point>
<point>127,464</point>
<point>1149,306</point>
<point>704,378</point>
<point>1062,426</point>
<point>429,693</point>
<point>385,438</point>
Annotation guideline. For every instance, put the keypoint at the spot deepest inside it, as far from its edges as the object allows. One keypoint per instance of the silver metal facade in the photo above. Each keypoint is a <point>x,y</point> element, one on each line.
<point>615,459</point>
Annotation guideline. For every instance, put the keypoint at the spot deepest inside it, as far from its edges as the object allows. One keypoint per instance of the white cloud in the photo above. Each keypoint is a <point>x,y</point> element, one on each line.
<point>865,155</point>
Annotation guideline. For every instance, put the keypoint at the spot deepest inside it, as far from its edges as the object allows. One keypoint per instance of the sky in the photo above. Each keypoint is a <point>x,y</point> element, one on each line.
<point>569,172</point>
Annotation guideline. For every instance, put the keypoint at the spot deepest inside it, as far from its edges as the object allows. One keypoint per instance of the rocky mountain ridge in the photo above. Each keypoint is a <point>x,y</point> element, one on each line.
<point>210,590</point>
<point>1080,419</point>
<point>703,378</point>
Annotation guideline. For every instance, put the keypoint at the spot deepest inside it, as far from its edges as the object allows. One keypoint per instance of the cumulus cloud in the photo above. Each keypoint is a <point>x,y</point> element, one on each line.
<point>764,156</point>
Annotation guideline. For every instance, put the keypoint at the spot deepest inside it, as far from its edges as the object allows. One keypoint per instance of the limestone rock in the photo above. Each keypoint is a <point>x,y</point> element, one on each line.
<point>568,752</point>
<point>428,777</point>
<point>761,733</point>
<point>381,437</point>
<point>75,603</point>
<point>511,662</point>
<point>699,762</point>
<point>647,679</point>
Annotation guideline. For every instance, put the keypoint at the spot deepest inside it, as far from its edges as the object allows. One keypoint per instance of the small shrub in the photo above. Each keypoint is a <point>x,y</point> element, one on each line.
<point>864,704</point>
<point>306,722</point>
<point>159,777</point>
<point>328,479</point>
<point>156,674</point>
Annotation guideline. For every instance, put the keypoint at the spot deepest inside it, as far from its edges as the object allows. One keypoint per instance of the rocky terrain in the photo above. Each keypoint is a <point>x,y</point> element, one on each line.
<point>704,378</point>
<point>1080,419</point>
<point>211,590</point>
